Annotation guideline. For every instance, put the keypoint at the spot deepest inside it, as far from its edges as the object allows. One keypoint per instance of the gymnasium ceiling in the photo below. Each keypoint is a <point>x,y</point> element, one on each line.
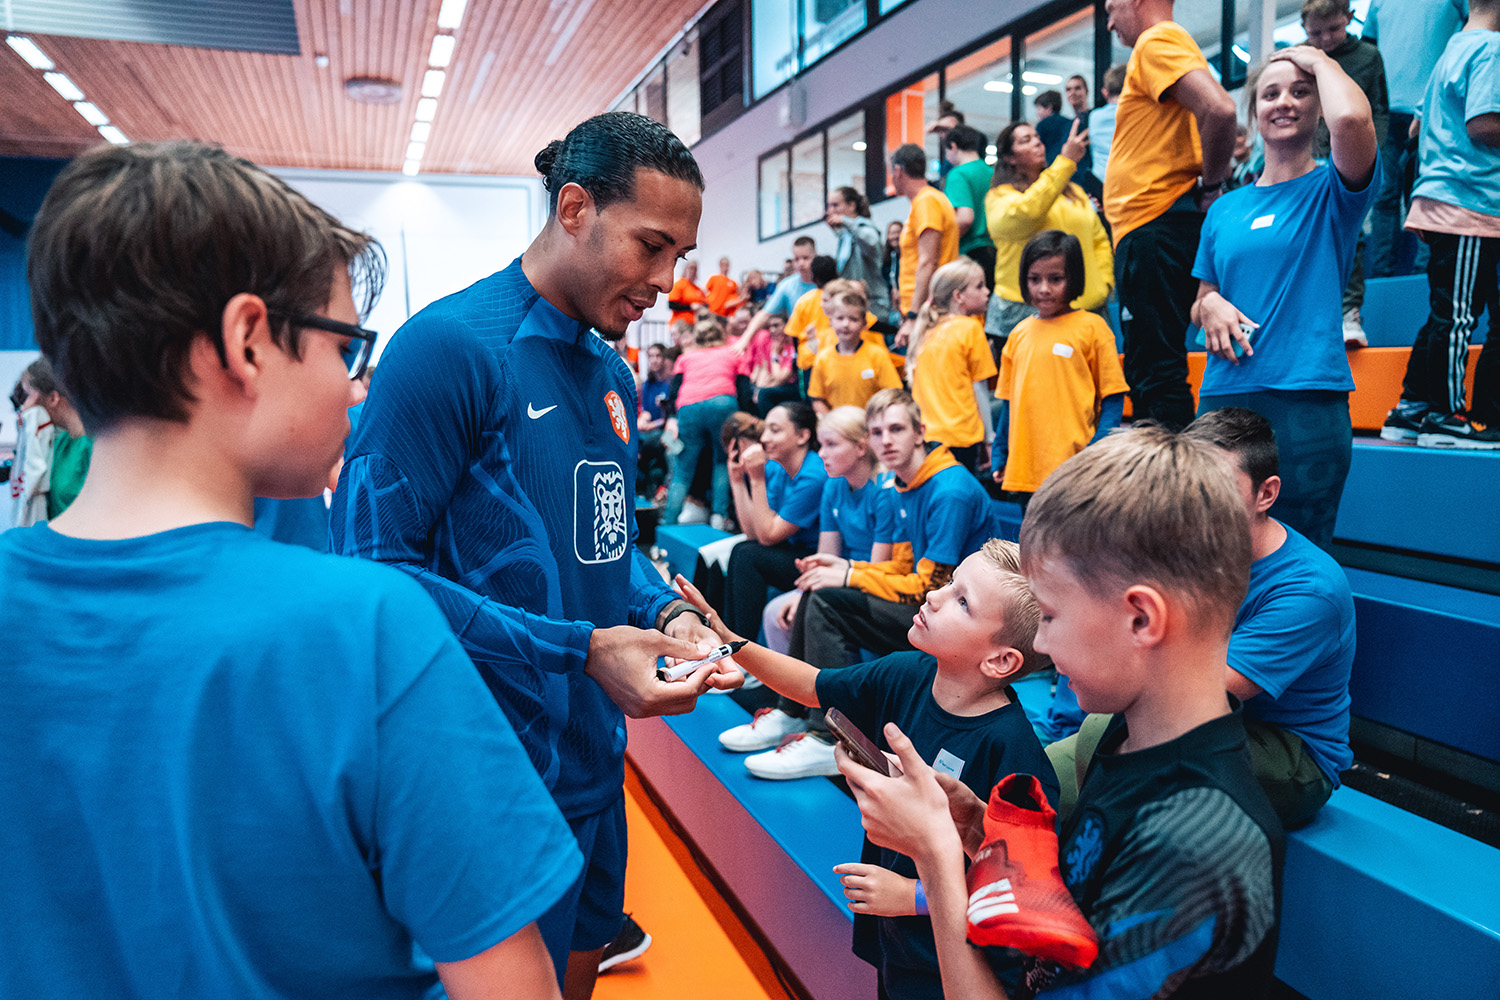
<point>522,73</point>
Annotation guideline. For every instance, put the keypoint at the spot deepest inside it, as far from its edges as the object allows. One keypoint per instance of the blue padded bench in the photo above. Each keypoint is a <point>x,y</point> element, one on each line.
<point>681,543</point>
<point>1427,660</point>
<point>1422,499</point>
<point>1396,308</point>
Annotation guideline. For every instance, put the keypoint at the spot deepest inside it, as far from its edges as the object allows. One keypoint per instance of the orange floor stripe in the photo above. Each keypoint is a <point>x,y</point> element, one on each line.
<point>694,951</point>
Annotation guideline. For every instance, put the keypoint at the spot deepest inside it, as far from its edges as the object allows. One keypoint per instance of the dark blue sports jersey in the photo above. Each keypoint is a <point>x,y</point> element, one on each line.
<point>495,461</point>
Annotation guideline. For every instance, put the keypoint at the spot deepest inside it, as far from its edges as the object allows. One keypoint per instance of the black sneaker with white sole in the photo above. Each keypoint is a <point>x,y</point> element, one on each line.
<point>1453,430</point>
<point>630,943</point>
<point>1402,424</point>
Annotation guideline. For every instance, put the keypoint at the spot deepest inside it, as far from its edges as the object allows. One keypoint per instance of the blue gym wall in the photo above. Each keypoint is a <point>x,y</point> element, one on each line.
<point>23,184</point>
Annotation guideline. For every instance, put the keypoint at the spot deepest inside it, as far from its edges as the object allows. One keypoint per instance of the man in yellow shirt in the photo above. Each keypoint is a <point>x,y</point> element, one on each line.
<point>930,238</point>
<point>1174,133</point>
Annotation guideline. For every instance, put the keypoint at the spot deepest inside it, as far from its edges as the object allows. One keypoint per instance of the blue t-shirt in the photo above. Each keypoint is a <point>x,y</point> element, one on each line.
<point>788,291</point>
<point>1294,637</point>
<point>652,393</point>
<point>979,750</point>
<point>862,517</point>
<point>1281,254</point>
<point>1455,169</point>
<point>1101,137</point>
<point>237,768</point>
<point>797,498</point>
<point>1411,35</point>
<point>946,518</point>
<point>495,464</point>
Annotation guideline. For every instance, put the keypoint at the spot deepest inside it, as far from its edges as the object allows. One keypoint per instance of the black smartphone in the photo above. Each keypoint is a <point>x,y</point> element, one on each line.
<point>858,745</point>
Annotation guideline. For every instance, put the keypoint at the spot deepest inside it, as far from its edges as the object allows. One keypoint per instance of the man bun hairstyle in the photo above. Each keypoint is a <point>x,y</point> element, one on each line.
<point>601,155</point>
<point>137,250</point>
<point>1243,433</point>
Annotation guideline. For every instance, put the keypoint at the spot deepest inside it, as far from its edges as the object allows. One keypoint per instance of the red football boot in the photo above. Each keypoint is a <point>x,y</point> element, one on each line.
<point>1017,898</point>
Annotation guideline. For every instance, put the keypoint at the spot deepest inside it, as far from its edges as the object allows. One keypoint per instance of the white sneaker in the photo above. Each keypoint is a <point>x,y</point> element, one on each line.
<point>801,756</point>
<point>767,729</point>
<point>1354,331</point>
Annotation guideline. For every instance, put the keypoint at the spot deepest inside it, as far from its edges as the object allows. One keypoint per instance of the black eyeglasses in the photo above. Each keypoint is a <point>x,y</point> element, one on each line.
<point>361,341</point>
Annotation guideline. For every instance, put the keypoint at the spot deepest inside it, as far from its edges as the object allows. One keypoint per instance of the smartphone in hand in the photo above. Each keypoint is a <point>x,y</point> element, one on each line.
<point>857,745</point>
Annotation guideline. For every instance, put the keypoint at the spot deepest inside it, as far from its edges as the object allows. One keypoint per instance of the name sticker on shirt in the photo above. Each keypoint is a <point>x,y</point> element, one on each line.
<point>948,764</point>
<point>1263,221</point>
<point>867,373</point>
<point>1063,350</point>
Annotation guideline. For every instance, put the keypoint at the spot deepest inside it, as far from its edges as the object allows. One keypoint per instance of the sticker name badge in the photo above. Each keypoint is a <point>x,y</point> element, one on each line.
<point>867,373</point>
<point>1263,221</point>
<point>601,532</point>
<point>1063,350</point>
<point>949,764</point>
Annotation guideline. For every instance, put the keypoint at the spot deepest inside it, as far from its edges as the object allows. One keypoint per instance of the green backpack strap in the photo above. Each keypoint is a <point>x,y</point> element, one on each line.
<point>1071,757</point>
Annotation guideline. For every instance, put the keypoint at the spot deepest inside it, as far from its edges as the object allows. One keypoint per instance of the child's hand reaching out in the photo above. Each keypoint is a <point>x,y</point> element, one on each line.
<point>878,891</point>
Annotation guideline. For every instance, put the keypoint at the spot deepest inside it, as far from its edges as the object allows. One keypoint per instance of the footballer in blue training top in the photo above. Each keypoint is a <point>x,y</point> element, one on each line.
<point>495,462</point>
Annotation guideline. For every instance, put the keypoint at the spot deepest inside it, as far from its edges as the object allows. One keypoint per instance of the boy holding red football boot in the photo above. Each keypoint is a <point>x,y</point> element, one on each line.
<point>973,637</point>
<point>1138,551</point>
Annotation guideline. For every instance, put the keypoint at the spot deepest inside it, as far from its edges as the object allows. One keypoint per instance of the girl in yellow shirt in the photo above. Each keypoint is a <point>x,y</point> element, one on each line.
<point>950,363</point>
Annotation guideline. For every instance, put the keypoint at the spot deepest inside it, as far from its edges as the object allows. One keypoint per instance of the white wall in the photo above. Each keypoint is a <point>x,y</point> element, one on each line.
<point>906,42</point>
<point>440,234</point>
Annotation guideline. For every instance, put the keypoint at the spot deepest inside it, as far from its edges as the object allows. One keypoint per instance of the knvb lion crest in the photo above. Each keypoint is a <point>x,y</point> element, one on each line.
<point>601,531</point>
<point>618,418</point>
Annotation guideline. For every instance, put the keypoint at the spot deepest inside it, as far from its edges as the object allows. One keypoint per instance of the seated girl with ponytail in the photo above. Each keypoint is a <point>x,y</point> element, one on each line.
<point>950,365</point>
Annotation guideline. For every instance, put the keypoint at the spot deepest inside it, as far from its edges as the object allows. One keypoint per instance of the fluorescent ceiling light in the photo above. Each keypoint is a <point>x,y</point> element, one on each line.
<point>414,150</point>
<point>442,50</point>
<point>1028,90</point>
<point>427,109</point>
<point>411,168</point>
<point>999,86</point>
<point>860,146</point>
<point>67,88</point>
<point>91,113</point>
<point>1045,78</point>
<point>1244,56</point>
<point>113,134</point>
<point>991,160</point>
<point>451,14</point>
<point>420,131</point>
<point>28,50</point>
<point>991,149</point>
<point>432,82</point>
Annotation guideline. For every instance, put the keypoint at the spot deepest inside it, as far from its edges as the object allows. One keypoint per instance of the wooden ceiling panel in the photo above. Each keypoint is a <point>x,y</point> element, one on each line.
<point>523,73</point>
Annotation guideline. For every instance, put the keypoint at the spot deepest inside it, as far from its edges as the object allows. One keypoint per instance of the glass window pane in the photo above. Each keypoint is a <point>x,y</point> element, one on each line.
<point>826,23</point>
<point>773,47</point>
<point>654,94</point>
<point>775,195</point>
<point>886,6</point>
<point>846,153</point>
<point>980,85</point>
<point>808,188</point>
<point>1057,52</point>
<point>683,90</point>
<point>908,115</point>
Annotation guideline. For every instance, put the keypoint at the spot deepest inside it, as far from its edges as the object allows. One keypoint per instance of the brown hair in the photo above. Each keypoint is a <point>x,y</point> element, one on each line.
<point>1326,8</point>
<point>137,250</point>
<point>1019,606</point>
<point>1252,87</point>
<point>848,293</point>
<point>709,332</point>
<point>1146,506</point>
<point>741,425</point>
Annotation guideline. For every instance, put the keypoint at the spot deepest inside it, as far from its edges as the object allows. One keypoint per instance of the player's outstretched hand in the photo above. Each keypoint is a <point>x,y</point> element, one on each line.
<point>907,814</point>
<point>622,660</point>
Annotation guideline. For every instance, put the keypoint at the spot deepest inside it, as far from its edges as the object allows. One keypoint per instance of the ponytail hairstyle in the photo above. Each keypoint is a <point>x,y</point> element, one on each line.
<point>856,198</point>
<point>709,332</point>
<point>946,280</point>
<point>601,156</point>
<point>848,422</point>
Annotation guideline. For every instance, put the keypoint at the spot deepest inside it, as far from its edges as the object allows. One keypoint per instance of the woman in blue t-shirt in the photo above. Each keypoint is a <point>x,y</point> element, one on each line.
<point>854,521</point>
<point>777,489</point>
<point>1272,264</point>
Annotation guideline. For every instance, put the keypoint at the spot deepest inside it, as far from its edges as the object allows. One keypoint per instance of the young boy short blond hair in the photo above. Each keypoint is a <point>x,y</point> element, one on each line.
<point>851,370</point>
<point>972,638</point>
<point>1138,552</point>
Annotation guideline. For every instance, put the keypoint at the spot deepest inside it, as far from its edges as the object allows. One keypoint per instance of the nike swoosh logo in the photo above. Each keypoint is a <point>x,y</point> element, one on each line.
<point>533,412</point>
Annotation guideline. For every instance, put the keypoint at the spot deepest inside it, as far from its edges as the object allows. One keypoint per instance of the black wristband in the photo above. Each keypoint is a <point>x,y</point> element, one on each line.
<point>912,314</point>
<point>683,608</point>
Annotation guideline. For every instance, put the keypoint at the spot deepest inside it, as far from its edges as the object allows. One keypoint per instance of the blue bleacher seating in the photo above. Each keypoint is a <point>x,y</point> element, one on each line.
<point>1422,499</point>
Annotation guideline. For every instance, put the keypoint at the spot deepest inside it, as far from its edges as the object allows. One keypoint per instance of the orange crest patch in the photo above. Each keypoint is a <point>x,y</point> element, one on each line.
<point>617,416</point>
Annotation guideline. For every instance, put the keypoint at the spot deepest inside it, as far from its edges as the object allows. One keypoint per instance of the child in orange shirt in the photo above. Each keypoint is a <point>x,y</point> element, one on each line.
<point>1060,372</point>
<point>849,372</point>
<point>950,364</point>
